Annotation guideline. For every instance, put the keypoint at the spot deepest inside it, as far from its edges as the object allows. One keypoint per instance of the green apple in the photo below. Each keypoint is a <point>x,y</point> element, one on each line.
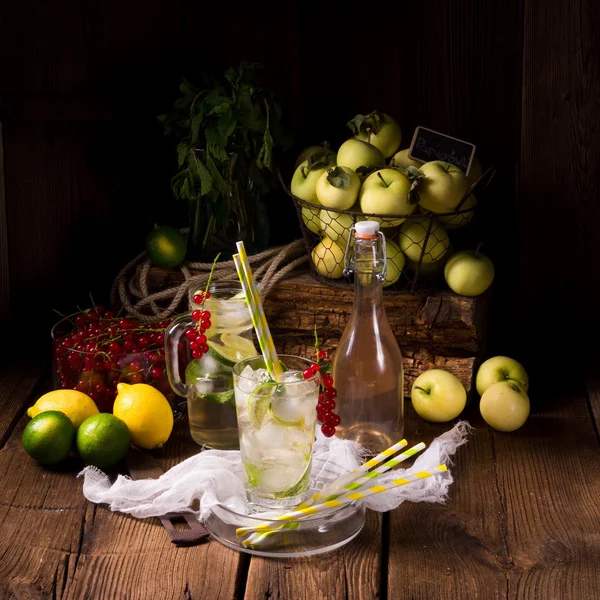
<point>401,159</point>
<point>312,150</point>
<point>355,153</point>
<point>338,188</point>
<point>386,192</point>
<point>504,406</point>
<point>411,239</point>
<point>336,226</point>
<point>501,368</point>
<point>328,259</point>
<point>469,273</point>
<point>394,263</point>
<point>304,180</point>
<point>378,129</point>
<point>460,218</point>
<point>311,218</point>
<point>475,171</point>
<point>442,187</point>
<point>438,396</point>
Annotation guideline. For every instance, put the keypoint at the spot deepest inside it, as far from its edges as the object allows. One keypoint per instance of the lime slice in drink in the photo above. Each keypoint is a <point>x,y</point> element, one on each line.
<point>244,346</point>
<point>232,349</point>
<point>259,402</point>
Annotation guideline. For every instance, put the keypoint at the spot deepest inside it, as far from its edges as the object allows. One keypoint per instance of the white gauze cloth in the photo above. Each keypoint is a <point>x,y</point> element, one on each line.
<point>216,477</point>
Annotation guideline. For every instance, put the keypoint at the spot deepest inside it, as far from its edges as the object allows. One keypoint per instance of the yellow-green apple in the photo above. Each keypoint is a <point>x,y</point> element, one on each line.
<point>328,259</point>
<point>501,368</point>
<point>312,219</point>
<point>442,187</point>
<point>355,153</point>
<point>469,272</point>
<point>438,396</point>
<point>323,149</point>
<point>386,192</point>
<point>413,234</point>
<point>460,218</point>
<point>304,180</point>
<point>395,261</point>
<point>378,129</point>
<point>338,188</point>
<point>475,171</point>
<point>504,406</point>
<point>401,159</point>
<point>336,226</point>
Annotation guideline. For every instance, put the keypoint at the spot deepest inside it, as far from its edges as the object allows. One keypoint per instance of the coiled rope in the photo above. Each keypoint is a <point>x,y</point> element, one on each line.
<point>131,286</point>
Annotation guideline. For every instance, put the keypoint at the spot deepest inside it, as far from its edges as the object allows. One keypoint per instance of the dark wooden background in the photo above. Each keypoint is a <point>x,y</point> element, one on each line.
<point>85,168</point>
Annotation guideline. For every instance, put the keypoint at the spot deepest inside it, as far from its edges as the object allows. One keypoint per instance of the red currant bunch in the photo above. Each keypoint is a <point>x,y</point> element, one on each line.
<point>327,394</point>
<point>196,335</point>
<point>96,349</point>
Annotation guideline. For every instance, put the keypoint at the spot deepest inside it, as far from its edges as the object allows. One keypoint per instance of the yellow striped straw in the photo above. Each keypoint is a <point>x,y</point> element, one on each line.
<point>257,313</point>
<point>346,499</point>
<point>358,483</point>
<point>342,481</point>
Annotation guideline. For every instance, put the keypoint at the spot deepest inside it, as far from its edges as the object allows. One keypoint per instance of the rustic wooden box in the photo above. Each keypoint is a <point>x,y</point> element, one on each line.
<point>433,330</point>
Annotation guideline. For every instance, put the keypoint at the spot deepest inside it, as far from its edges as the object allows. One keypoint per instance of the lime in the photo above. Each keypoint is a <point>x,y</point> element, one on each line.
<point>103,440</point>
<point>244,346</point>
<point>232,349</point>
<point>76,405</point>
<point>48,437</point>
<point>166,247</point>
<point>146,412</point>
<point>259,402</point>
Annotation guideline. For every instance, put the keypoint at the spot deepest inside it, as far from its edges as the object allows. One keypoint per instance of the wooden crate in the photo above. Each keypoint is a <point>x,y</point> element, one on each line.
<point>433,330</point>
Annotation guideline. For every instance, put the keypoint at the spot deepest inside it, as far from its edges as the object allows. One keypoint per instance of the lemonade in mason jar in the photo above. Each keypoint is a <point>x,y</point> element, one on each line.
<point>208,381</point>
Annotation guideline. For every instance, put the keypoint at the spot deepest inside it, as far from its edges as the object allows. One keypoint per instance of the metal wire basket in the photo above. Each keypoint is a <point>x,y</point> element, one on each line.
<point>418,243</point>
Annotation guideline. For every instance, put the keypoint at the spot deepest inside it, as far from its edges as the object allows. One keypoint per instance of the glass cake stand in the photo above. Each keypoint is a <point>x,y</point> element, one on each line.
<point>312,535</point>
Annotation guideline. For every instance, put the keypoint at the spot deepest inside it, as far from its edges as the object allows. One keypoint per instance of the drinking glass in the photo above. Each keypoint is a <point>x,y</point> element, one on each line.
<point>276,424</point>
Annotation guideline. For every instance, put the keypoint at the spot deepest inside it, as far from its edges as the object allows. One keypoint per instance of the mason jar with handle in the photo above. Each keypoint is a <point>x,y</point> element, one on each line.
<point>207,382</point>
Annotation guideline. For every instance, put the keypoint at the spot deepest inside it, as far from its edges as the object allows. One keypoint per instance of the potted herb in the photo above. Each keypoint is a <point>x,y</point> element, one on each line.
<point>228,132</point>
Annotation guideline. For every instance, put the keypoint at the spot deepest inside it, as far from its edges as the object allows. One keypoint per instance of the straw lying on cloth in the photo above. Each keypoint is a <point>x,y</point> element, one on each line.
<point>216,477</point>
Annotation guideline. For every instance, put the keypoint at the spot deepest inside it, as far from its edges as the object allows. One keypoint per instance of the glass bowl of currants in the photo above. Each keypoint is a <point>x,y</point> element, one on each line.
<point>95,350</point>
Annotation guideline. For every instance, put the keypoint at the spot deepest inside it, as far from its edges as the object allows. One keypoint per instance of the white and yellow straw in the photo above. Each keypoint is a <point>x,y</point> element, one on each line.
<point>354,485</point>
<point>345,499</point>
<point>257,313</point>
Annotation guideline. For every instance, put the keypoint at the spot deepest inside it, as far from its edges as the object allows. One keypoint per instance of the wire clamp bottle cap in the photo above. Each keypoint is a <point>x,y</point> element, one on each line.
<point>366,229</point>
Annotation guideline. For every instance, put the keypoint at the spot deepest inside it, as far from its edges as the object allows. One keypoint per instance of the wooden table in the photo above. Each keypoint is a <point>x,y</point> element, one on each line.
<point>522,521</point>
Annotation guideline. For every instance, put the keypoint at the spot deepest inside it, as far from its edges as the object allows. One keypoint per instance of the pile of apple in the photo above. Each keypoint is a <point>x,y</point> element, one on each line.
<point>502,382</point>
<point>370,178</point>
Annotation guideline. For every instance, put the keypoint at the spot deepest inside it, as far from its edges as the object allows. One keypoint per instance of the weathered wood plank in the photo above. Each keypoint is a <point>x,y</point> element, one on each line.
<point>456,550</point>
<point>132,558</point>
<point>42,515</point>
<point>352,571</point>
<point>17,381</point>
<point>546,478</point>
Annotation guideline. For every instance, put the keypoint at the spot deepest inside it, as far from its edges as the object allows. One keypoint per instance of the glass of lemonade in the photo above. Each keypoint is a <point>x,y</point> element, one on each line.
<point>208,381</point>
<point>276,423</point>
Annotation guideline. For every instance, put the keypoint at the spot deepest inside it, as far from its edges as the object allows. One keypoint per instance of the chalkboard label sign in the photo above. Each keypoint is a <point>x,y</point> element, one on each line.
<point>428,145</point>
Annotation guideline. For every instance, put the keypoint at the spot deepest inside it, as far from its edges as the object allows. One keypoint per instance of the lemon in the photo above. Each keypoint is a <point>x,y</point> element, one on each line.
<point>166,247</point>
<point>76,405</point>
<point>48,437</point>
<point>146,412</point>
<point>103,440</point>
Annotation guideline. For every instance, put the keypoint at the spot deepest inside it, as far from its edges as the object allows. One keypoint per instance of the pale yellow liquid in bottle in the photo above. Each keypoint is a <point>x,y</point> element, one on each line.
<point>368,370</point>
